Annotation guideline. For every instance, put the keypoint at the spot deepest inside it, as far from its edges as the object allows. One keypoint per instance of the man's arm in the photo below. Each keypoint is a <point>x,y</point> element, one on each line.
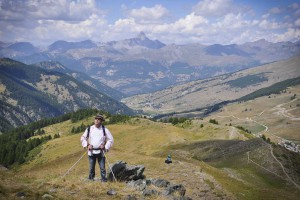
<point>84,139</point>
<point>109,140</point>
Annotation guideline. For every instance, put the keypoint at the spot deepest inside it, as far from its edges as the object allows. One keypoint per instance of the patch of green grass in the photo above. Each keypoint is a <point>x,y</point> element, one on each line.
<point>247,80</point>
<point>209,183</point>
<point>33,153</point>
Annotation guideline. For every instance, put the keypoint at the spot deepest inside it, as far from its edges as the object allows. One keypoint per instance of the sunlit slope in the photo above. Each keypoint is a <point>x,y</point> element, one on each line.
<point>141,141</point>
<point>277,116</point>
<point>207,92</point>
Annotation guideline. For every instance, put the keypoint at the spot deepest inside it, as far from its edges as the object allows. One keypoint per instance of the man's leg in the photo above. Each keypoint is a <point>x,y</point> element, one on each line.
<point>101,161</point>
<point>92,163</point>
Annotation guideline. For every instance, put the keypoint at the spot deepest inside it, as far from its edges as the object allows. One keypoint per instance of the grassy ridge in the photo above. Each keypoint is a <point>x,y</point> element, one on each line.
<point>210,160</point>
<point>140,141</point>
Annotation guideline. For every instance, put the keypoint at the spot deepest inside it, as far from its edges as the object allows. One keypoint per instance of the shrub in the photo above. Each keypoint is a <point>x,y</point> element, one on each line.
<point>213,121</point>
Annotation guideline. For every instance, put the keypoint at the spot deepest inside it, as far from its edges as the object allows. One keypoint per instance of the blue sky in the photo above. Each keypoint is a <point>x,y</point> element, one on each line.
<point>43,22</point>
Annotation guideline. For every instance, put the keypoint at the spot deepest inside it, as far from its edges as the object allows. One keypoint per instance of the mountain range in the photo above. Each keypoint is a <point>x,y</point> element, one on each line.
<point>211,91</point>
<point>29,93</point>
<point>140,65</point>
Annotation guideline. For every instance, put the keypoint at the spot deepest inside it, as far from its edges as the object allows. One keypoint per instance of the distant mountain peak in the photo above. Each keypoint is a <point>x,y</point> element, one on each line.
<point>62,46</point>
<point>142,36</point>
<point>140,40</point>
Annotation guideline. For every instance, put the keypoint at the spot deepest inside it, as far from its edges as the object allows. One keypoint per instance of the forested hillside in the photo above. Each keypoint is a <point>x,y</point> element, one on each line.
<point>30,93</point>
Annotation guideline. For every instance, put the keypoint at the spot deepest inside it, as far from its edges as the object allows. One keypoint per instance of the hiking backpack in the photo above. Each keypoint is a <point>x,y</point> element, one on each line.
<point>88,133</point>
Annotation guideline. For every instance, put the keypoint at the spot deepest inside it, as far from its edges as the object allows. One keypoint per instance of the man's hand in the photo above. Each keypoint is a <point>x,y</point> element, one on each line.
<point>102,147</point>
<point>90,147</point>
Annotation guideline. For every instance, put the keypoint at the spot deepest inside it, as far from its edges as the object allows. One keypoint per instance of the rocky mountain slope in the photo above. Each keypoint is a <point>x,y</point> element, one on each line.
<point>30,93</point>
<point>208,92</point>
<point>102,88</point>
<point>141,65</point>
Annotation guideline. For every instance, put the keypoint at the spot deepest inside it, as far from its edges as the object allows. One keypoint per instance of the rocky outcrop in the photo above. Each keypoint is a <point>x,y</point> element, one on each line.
<point>133,176</point>
<point>124,172</point>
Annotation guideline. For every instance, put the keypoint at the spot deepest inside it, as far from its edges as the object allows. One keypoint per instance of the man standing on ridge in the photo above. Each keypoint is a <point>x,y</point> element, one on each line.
<point>98,140</point>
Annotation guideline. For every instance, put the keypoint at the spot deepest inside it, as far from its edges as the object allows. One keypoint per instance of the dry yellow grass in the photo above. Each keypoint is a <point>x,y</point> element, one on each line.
<point>135,143</point>
<point>278,113</point>
<point>140,141</point>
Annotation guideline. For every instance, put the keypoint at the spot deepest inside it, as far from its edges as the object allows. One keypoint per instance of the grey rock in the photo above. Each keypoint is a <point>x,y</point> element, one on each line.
<point>20,194</point>
<point>111,192</point>
<point>130,197</point>
<point>124,172</point>
<point>160,182</point>
<point>151,192</point>
<point>47,196</point>
<point>138,184</point>
<point>173,188</point>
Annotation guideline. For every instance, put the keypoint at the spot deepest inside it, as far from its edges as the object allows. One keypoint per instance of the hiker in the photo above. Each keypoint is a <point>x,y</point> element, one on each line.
<point>98,140</point>
<point>168,160</point>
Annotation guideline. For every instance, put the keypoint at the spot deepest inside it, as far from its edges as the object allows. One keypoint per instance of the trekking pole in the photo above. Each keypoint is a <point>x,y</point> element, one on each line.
<point>109,166</point>
<point>74,165</point>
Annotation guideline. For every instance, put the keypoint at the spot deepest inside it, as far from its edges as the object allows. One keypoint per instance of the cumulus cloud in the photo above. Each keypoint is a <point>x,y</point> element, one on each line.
<point>49,20</point>
<point>213,7</point>
<point>275,10</point>
<point>207,22</point>
<point>288,35</point>
<point>189,23</point>
<point>294,6</point>
<point>151,14</point>
<point>51,9</point>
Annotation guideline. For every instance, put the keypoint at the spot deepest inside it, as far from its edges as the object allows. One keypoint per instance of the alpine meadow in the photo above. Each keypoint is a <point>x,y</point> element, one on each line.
<point>150,100</point>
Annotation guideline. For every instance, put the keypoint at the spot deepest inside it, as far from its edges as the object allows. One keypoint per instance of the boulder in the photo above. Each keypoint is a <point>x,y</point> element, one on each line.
<point>150,192</point>
<point>160,182</point>
<point>111,192</point>
<point>124,172</point>
<point>138,184</point>
<point>175,188</point>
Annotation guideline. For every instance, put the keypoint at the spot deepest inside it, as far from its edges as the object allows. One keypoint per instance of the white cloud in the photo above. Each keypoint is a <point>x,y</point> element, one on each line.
<point>294,6</point>
<point>275,10</point>
<point>208,22</point>
<point>264,24</point>
<point>297,13</point>
<point>213,7</point>
<point>145,14</point>
<point>51,9</point>
<point>51,20</point>
<point>290,35</point>
<point>265,16</point>
<point>231,21</point>
<point>189,23</point>
<point>297,23</point>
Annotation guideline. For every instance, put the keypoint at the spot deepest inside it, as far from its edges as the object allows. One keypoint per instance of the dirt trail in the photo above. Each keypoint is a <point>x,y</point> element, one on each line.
<point>281,111</point>
<point>285,112</point>
<point>283,169</point>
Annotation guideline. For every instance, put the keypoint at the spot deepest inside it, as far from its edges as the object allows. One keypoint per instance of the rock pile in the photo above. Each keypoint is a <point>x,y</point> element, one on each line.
<point>133,176</point>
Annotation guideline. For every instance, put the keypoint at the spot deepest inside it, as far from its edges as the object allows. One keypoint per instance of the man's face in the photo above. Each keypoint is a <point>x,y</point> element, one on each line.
<point>98,121</point>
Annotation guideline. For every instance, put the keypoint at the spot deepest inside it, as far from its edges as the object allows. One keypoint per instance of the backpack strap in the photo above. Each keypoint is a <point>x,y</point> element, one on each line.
<point>88,132</point>
<point>103,128</point>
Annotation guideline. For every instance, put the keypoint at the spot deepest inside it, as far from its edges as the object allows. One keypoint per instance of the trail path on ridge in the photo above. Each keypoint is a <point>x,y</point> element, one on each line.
<point>285,112</point>
<point>281,111</point>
